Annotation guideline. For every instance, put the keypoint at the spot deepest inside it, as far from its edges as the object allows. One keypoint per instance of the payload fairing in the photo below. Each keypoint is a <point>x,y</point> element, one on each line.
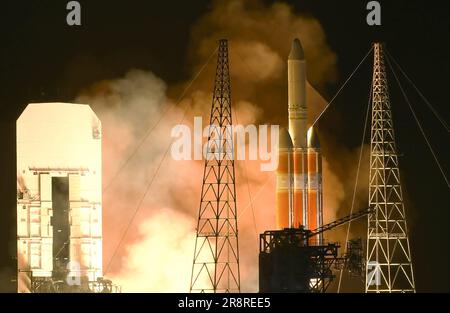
<point>59,196</point>
<point>299,185</point>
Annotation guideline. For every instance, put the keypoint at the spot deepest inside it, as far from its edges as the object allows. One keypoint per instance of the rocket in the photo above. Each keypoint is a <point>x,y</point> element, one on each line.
<point>285,181</point>
<point>297,114</point>
<point>315,202</point>
<point>306,171</point>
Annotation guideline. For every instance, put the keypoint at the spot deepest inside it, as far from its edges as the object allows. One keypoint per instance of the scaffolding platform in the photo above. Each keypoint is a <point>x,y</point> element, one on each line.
<point>291,261</point>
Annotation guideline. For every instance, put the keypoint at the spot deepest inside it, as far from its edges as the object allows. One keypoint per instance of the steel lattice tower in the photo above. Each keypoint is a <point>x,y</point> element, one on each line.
<point>216,257</point>
<point>389,265</point>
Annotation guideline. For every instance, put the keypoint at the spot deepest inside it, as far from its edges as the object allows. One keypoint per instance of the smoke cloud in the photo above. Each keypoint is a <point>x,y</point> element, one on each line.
<point>157,250</point>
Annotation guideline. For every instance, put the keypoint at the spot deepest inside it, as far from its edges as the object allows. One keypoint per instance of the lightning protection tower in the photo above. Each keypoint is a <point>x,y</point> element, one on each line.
<point>389,265</point>
<point>216,257</point>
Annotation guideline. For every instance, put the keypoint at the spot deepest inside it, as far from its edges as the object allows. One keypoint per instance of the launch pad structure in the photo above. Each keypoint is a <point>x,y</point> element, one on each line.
<point>389,264</point>
<point>289,261</point>
<point>50,285</point>
<point>298,260</point>
<point>59,200</point>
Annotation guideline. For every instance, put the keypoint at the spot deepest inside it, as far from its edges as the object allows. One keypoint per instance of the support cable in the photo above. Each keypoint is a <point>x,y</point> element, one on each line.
<point>436,114</point>
<point>152,128</point>
<point>356,180</point>
<point>248,186</point>
<point>343,85</point>
<point>419,125</point>
<point>141,200</point>
<point>249,69</point>
<point>258,193</point>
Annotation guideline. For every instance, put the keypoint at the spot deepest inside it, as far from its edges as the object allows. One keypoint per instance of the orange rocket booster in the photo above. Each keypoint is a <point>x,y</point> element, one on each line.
<point>285,181</point>
<point>315,202</point>
<point>299,174</point>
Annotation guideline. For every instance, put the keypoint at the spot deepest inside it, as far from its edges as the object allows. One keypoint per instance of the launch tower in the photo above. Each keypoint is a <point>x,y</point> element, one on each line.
<point>216,257</point>
<point>389,265</point>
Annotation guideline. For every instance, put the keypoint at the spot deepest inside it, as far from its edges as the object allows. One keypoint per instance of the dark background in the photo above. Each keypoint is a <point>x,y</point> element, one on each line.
<point>43,59</point>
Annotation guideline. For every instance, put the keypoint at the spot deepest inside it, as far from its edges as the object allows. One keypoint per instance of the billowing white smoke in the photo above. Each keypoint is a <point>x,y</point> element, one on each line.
<point>165,249</point>
<point>157,250</point>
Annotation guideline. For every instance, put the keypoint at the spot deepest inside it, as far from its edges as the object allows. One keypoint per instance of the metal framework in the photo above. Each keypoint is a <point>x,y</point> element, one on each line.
<point>50,285</point>
<point>355,258</point>
<point>338,222</point>
<point>216,257</point>
<point>288,262</point>
<point>389,265</point>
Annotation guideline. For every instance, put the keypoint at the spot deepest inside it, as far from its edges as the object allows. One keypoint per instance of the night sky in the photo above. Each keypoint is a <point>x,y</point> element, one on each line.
<point>43,59</point>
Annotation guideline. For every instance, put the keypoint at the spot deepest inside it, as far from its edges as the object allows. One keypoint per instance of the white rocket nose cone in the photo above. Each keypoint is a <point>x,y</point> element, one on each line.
<point>297,52</point>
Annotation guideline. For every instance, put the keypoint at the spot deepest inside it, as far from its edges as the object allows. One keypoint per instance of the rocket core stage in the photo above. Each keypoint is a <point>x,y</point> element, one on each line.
<point>299,174</point>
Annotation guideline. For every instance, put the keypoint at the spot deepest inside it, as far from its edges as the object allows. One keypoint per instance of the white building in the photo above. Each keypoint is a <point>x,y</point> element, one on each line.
<point>59,195</point>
